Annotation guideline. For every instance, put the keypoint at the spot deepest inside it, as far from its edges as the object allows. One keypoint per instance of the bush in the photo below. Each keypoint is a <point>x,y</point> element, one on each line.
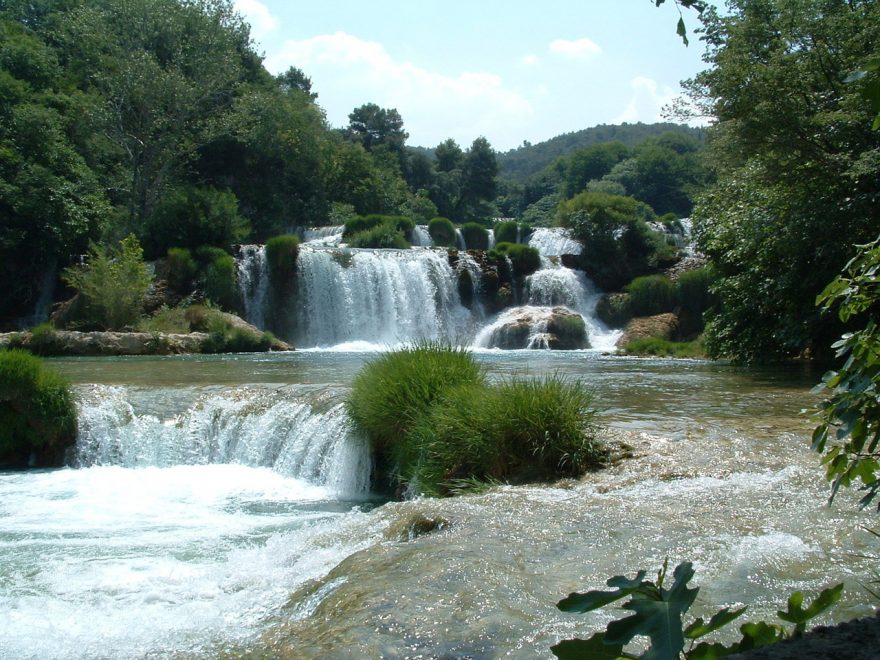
<point>651,295</point>
<point>506,232</point>
<point>379,237</point>
<point>525,259</point>
<point>442,232</point>
<point>169,320</point>
<point>42,339</point>
<point>692,291</point>
<point>475,236</point>
<point>613,310</point>
<point>37,412</point>
<point>281,255</point>
<point>436,427</point>
<point>360,224</point>
<point>182,270</point>
<point>112,285</point>
<point>220,282</point>
<point>224,339</point>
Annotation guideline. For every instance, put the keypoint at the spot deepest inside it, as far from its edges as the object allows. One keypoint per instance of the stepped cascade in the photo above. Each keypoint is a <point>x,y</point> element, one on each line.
<point>369,297</point>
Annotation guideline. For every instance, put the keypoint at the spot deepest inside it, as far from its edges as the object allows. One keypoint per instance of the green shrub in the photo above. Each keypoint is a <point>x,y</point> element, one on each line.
<point>506,232</point>
<point>525,259</point>
<point>381,236</point>
<point>475,236</point>
<point>220,282</point>
<point>170,320</point>
<point>437,427</point>
<point>112,285</point>
<point>236,340</point>
<point>207,254</point>
<point>281,255</point>
<point>614,310</point>
<point>360,224</point>
<point>37,412</point>
<point>43,338</point>
<point>651,295</point>
<point>442,232</point>
<point>182,270</point>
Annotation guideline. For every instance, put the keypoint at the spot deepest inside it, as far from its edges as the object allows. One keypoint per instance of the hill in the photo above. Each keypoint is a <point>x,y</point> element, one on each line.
<point>521,163</point>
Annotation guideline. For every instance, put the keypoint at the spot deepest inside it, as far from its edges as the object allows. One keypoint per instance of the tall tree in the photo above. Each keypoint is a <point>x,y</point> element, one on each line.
<point>797,165</point>
<point>373,126</point>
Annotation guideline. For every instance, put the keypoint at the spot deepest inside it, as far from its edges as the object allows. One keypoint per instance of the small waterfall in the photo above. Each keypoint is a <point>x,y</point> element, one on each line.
<point>518,327</point>
<point>459,240</point>
<point>330,236</point>
<point>43,304</point>
<point>490,234</point>
<point>377,296</point>
<point>247,426</point>
<point>253,282</point>
<point>554,242</point>
<point>421,237</point>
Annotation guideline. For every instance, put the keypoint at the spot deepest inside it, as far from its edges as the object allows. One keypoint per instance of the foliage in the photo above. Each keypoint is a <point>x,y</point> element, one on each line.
<point>694,298</point>
<point>169,320</point>
<point>181,270</point>
<point>613,309</point>
<point>281,256</point>
<point>796,161</point>
<point>42,339</point>
<point>191,216</point>
<point>112,285</point>
<point>225,339</point>
<point>651,294</point>
<point>590,163</point>
<point>386,235</point>
<point>658,347</point>
<point>618,244</point>
<point>37,412</point>
<point>442,232</point>
<point>657,614</point>
<point>220,282</point>
<point>435,425</point>
<point>525,259</point>
<point>849,429</point>
<point>507,232</point>
<point>516,432</point>
<point>475,236</point>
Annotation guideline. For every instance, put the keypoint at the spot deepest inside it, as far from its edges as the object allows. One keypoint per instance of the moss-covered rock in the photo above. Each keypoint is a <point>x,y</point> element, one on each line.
<point>556,328</point>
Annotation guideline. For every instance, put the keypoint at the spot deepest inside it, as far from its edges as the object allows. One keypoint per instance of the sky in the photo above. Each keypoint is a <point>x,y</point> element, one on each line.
<point>509,71</point>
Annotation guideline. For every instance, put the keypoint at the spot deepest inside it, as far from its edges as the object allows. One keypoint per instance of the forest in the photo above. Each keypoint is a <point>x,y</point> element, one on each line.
<point>156,118</point>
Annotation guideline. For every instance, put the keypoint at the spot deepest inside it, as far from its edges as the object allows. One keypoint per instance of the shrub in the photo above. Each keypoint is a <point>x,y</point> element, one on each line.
<point>651,295</point>
<point>442,232</point>
<point>694,298</point>
<point>42,339</point>
<point>613,309</point>
<point>525,259</point>
<point>475,236</point>
<point>281,255</point>
<point>182,270</point>
<point>360,224</point>
<point>379,237</point>
<point>236,340</point>
<point>220,282</point>
<point>170,320</point>
<point>112,285</point>
<point>506,232</point>
<point>37,412</point>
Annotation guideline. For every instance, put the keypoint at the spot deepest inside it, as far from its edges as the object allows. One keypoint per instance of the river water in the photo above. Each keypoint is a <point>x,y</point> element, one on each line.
<point>219,506</point>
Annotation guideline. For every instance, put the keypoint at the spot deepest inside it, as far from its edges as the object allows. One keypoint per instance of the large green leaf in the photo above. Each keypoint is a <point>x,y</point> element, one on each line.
<point>591,600</point>
<point>699,629</point>
<point>657,616</point>
<point>799,615</point>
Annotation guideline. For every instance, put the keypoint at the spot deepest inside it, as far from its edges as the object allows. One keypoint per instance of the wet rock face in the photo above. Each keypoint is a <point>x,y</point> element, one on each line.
<point>556,328</point>
<point>661,325</point>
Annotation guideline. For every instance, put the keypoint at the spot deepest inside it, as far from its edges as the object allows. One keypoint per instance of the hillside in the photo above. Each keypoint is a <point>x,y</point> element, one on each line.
<point>521,163</point>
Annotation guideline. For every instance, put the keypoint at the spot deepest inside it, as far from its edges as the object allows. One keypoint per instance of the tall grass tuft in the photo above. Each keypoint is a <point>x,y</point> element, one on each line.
<point>651,295</point>
<point>475,236</point>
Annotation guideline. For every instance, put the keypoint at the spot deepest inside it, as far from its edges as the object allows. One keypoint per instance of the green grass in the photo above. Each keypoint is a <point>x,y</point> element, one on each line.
<point>525,259</point>
<point>37,411</point>
<point>436,427</point>
<point>651,295</point>
<point>655,346</point>
<point>281,255</point>
<point>386,235</point>
<point>475,236</point>
<point>442,232</point>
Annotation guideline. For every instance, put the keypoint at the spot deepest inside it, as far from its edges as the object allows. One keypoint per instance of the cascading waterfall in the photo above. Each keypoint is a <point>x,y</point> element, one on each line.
<point>245,426</point>
<point>377,296</point>
<point>253,282</point>
<point>330,236</point>
<point>421,237</point>
<point>554,242</point>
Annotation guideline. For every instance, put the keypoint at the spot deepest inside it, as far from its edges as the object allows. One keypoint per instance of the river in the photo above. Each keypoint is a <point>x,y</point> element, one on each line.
<point>220,506</point>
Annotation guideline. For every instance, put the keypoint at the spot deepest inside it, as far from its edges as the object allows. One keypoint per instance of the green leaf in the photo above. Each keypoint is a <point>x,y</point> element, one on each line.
<point>699,629</point>
<point>759,634</point>
<point>657,616</point>
<point>706,651</point>
<point>800,616</point>
<point>587,602</point>
<point>681,30</point>
<point>594,648</point>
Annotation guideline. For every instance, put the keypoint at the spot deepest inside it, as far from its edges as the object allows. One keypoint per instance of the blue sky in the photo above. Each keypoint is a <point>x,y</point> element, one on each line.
<point>509,71</point>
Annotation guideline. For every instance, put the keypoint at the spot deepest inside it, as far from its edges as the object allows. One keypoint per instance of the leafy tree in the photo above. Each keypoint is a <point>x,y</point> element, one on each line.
<point>294,80</point>
<point>478,184</point>
<point>373,126</point>
<point>796,165</point>
<point>449,156</point>
<point>592,162</point>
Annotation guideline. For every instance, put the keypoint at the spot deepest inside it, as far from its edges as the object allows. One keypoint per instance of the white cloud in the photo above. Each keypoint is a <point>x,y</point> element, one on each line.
<point>579,49</point>
<point>257,14</point>
<point>530,59</point>
<point>647,101</point>
<point>347,71</point>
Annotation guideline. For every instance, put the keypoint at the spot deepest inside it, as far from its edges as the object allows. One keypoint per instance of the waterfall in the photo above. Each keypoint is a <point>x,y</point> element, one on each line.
<point>377,296</point>
<point>554,242</point>
<point>330,236</point>
<point>253,282</point>
<point>459,240</point>
<point>292,435</point>
<point>421,237</point>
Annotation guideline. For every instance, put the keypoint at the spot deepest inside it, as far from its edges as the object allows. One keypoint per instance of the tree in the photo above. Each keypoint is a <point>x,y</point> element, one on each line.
<point>796,166</point>
<point>449,156</point>
<point>478,183</point>
<point>590,163</point>
<point>372,126</point>
<point>294,80</point>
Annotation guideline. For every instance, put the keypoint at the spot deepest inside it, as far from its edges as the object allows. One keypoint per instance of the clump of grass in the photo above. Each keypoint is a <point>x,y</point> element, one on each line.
<point>169,320</point>
<point>37,412</point>
<point>385,235</point>
<point>437,427</point>
<point>475,236</point>
<point>655,346</point>
<point>442,232</point>
<point>525,259</point>
<point>651,295</point>
<point>182,270</point>
<point>506,232</point>
<point>281,255</point>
